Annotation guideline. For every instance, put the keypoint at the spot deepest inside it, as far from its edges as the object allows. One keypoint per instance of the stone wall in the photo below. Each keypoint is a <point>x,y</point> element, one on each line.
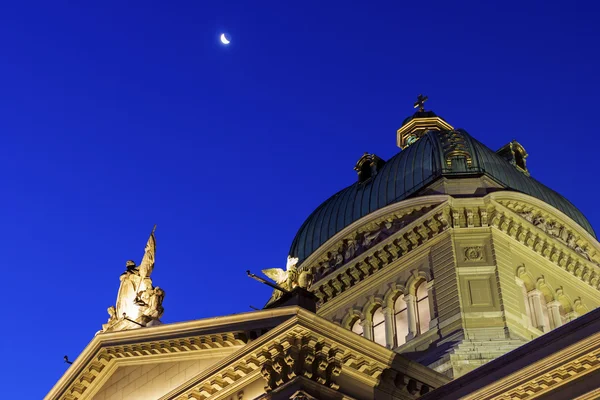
<point>150,381</point>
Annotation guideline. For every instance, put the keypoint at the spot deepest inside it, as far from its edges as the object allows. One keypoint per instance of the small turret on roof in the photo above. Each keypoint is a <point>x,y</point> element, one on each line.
<point>418,124</point>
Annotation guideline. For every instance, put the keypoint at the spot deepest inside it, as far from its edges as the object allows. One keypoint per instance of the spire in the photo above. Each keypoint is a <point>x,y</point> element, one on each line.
<point>418,124</point>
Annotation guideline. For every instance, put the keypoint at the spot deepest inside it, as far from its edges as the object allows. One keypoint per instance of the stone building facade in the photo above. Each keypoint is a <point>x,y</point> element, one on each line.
<point>442,259</point>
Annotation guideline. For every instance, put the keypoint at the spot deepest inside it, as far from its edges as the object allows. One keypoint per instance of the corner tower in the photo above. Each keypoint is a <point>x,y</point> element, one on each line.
<point>449,253</point>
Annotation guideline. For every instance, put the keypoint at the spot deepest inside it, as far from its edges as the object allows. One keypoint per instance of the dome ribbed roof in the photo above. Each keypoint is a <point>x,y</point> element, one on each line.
<point>410,171</point>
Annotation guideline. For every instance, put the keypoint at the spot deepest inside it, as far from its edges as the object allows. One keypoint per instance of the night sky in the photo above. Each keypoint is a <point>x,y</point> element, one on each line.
<point>114,118</point>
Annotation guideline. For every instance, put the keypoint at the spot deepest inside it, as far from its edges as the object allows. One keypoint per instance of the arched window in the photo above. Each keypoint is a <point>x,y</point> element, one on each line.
<point>423,313</point>
<point>401,320</point>
<point>357,327</point>
<point>378,326</point>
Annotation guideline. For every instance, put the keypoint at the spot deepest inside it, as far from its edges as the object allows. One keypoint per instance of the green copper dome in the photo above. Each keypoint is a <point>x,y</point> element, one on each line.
<point>437,154</point>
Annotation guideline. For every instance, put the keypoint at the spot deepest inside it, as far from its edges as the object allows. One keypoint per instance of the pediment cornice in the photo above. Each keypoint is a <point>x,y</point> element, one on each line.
<point>313,348</point>
<point>303,345</point>
<point>166,342</point>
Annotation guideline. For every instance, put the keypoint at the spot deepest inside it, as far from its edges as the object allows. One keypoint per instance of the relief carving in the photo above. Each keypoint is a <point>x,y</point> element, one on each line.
<point>484,217</point>
<point>473,253</point>
<point>361,242</point>
<point>557,231</point>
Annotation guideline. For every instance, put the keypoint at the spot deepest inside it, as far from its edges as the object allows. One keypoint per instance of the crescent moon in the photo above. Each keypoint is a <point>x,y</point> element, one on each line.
<point>224,39</point>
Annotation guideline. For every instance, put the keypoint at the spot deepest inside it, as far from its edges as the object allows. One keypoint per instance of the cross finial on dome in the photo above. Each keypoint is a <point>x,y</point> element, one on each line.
<point>420,103</point>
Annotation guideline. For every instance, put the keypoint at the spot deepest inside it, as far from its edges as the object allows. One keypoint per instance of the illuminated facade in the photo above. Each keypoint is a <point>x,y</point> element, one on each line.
<point>403,285</point>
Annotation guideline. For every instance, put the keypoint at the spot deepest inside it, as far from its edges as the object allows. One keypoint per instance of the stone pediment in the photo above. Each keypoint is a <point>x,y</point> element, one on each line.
<point>226,356</point>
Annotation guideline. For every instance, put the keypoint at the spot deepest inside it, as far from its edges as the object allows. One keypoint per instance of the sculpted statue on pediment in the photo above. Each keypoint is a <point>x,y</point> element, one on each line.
<point>138,303</point>
<point>289,278</point>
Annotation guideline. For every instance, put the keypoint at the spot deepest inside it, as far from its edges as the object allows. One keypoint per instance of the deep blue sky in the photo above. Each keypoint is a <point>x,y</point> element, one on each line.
<point>116,117</point>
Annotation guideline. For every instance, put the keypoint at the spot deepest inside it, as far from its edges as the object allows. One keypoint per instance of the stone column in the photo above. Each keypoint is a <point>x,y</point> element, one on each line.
<point>390,327</point>
<point>554,310</point>
<point>367,329</point>
<point>411,308</point>
<point>432,312</point>
<point>536,306</point>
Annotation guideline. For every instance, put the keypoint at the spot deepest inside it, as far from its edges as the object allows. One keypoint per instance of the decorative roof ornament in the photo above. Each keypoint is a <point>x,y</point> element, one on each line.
<point>288,279</point>
<point>515,153</point>
<point>420,103</point>
<point>279,276</point>
<point>368,166</point>
<point>139,303</point>
<point>415,126</point>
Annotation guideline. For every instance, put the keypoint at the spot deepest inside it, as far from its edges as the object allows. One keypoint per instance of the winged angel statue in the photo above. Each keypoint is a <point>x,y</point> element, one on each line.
<point>288,279</point>
<point>138,301</point>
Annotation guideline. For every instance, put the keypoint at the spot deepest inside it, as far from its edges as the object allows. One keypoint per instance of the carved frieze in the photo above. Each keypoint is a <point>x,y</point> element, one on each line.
<point>367,261</point>
<point>358,243</point>
<point>551,227</point>
<point>410,237</point>
<point>536,231</point>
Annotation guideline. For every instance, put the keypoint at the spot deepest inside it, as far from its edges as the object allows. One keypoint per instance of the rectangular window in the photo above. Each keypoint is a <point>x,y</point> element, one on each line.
<point>423,313</point>
<point>379,327</point>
